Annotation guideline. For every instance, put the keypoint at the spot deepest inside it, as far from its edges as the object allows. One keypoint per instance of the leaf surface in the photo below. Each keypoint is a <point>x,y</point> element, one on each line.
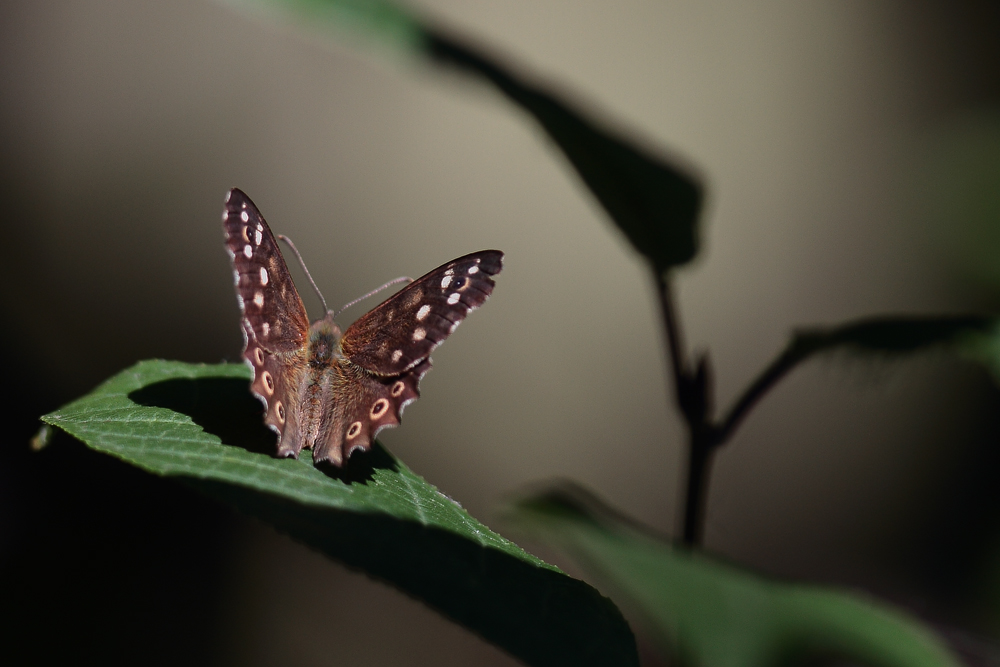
<point>199,423</point>
<point>714,614</point>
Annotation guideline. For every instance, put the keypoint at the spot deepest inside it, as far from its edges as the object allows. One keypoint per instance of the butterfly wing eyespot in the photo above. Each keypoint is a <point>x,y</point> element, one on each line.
<point>379,408</point>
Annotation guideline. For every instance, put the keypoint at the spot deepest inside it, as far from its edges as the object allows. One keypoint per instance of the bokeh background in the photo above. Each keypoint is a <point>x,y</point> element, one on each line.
<point>852,156</point>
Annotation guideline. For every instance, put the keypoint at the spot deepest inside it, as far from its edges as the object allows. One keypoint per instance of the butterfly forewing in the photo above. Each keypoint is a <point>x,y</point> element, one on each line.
<point>267,295</point>
<point>400,333</point>
<point>275,326</point>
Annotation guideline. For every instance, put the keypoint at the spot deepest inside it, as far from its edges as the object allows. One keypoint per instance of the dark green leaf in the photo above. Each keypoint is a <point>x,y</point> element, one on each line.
<point>973,336</point>
<point>652,201</point>
<point>199,423</point>
<point>711,613</point>
<point>892,335</point>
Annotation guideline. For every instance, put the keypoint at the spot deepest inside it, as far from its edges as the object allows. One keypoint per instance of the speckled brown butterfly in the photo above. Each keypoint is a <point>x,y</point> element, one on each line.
<point>334,392</point>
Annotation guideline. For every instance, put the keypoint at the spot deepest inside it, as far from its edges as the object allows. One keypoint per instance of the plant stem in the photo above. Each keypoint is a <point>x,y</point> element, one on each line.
<point>692,394</point>
<point>677,362</point>
<point>699,464</point>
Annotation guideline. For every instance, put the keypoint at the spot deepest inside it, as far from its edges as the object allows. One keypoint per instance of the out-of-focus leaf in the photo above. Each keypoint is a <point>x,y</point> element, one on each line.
<point>652,201</point>
<point>200,423</point>
<point>655,203</point>
<point>894,335</point>
<point>386,22</point>
<point>972,336</point>
<point>713,614</point>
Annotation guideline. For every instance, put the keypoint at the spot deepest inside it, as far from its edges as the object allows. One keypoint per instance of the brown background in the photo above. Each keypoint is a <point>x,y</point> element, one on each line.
<point>841,142</point>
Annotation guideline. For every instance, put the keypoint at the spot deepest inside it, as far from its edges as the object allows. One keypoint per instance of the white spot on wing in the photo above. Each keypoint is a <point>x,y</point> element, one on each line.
<point>453,299</point>
<point>445,281</point>
<point>258,299</point>
<point>244,216</point>
<point>229,195</point>
<point>239,300</point>
<point>263,276</point>
<point>257,237</point>
<point>473,269</point>
<point>265,328</point>
<point>225,215</point>
<point>248,251</point>
<point>419,334</point>
<point>422,313</point>
<point>397,355</point>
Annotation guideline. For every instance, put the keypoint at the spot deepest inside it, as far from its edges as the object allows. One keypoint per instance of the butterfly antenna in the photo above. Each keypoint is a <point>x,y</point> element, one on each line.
<point>374,292</point>
<point>303,265</point>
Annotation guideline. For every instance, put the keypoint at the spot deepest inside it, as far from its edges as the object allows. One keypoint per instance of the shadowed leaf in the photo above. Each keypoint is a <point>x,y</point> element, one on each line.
<point>892,335</point>
<point>973,336</point>
<point>655,203</point>
<point>710,613</point>
<point>652,201</point>
<point>199,423</point>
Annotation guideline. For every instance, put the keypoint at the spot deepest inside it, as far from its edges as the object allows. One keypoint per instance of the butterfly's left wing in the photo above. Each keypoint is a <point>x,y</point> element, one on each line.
<point>403,330</point>
<point>387,350</point>
<point>275,326</point>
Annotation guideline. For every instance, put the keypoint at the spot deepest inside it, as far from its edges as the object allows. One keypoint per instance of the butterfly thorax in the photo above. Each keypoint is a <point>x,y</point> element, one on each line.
<point>324,342</point>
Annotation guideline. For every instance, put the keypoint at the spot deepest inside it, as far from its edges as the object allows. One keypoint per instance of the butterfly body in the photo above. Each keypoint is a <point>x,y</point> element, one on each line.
<point>324,389</point>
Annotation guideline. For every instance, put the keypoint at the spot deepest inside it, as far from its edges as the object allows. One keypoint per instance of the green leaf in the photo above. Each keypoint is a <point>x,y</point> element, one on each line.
<point>199,423</point>
<point>714,614</point>
<point>651,200</point>
<point>387,22</point>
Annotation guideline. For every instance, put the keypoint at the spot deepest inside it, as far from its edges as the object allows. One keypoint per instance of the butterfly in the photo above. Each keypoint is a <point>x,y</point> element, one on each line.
<point>329,391</point>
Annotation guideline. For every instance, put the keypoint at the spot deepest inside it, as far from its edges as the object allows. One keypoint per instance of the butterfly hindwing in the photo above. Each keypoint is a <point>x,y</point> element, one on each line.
<point>370,404</point>
<point>402,331</point>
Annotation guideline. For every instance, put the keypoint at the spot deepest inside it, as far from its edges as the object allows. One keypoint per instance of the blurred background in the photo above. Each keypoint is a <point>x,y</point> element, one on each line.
<point>852,158</point>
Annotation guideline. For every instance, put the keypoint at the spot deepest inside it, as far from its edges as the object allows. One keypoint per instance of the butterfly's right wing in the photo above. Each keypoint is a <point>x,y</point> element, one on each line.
<point>401,332</point>
<point>274,321</point>
<point>387,351</point>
